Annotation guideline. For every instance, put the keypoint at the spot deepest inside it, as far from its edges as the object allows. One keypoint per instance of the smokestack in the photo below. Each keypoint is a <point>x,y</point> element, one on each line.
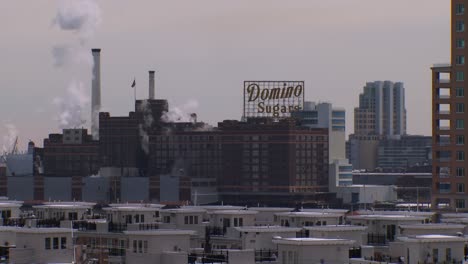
<point>96,93</point>
<point>151,85</point>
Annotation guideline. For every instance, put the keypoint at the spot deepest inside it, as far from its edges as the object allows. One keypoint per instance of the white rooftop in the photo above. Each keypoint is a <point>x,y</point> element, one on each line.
<point>310,241</point>
<point>432,238</point>
<point>161,232</point>
<point>317,214</point>
<point>65,205</point>
<point>266,229</point>
<point>234,212</point>
<point>336,228</point>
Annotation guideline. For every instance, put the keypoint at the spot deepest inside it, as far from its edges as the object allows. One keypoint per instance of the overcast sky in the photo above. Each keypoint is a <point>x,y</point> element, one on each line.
<point>203,50</point>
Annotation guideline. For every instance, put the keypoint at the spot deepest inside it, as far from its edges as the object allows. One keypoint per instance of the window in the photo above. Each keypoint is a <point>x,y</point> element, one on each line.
<point>460,60</point>
<point>145,246</point>
<point>460,76</point>
<point>134,246</point>
<point>55,243</point>
<point>460,124</point>
<point>460,107</point>
<point>460,140</point>
<point>448,254</point>
<point>140,246</point>
<point>460,26</point>
<point>167,219</point>
<point>137,218</point>
<point>460,155</point>
<point>460,203</point>
<point>435,255</point>
<point>236,223</point>
<point>241,222</point>
<point>195,221</point>
<point>460,187</point>
<point>460,172</point>
<point>460,43</point>
<point>47,243</point>
<point>186,219</point>
<point>459,92</point>
<point>444,187</point>
<point>142,218</point>
<point>63,242</point>
<point>460,9</point>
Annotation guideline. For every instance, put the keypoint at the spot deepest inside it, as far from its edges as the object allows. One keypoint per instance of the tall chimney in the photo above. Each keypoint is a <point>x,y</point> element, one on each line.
<point>96,93</point>
<point>151,85</point>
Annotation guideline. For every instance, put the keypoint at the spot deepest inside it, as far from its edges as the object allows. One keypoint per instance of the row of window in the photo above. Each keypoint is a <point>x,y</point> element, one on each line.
<point>191,220</point>
<point>444,172</point>
<point>53,243</point>
<point>140,246</point>
<point>445,187</point>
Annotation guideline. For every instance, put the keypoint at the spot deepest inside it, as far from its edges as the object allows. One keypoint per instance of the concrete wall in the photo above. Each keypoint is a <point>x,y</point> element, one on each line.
<point>263,240</point>
<point>134,189</point>
<point>30,248</point>
<point>157,245</point>
<point>95,189</point>
<point>57,188</point>
<point>313,254</point>
<point>241,257</point>
<point>21,188</point>
<point>421,252</point>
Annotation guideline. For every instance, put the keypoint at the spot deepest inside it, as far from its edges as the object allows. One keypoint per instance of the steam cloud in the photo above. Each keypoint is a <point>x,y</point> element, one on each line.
<point>71,106</point>
<point>81,18</point>
<point>181,113</point>
<point>9,138</point>
<point>143,128</point>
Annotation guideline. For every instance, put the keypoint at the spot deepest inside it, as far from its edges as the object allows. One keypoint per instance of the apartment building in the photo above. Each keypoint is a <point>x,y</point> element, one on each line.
<point>448,120</point>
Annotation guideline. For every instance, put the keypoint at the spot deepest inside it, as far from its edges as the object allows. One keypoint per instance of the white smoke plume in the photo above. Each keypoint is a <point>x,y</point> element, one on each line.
<point>72,105</point>
<point>9,138</point>
<point>181,113</point>
<point>81,18</point>
<point>144,108</point>
<point>67,55</point>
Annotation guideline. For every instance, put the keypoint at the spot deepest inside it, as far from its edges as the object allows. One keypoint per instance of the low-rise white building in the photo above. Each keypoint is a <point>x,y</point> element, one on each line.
<point>356,233</point>
<point>63,210</point>
<point>383,227</point>
<point>310,218</point>
<point>429,249</point>
<point>133,213</point>
<point>313,250</point>
<point>42,245</point>
<point>267,215</point>
<point>158,246</point>
<point>431,229</point>
<point>261,237</point>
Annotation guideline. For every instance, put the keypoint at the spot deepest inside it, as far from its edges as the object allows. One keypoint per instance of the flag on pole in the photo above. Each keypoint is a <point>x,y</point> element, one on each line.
<point>134,83</point>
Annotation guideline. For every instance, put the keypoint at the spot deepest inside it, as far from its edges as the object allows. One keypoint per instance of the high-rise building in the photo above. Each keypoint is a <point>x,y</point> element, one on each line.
<point>323,115</point>
<point>449,118</point>
<point>381,110</point>
<point>381,115</point>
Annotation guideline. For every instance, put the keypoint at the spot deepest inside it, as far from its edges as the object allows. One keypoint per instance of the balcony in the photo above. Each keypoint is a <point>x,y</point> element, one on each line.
<point>376,239</point>
<point>443,112</point>
<point>443,128</point>
<point>443,96</point>
<point>444,81</point>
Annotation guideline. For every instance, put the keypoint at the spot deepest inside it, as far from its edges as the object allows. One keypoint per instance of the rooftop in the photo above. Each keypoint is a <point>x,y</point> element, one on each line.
<point>266,229</point>
<point>310,241</point>
<point>336,228</point>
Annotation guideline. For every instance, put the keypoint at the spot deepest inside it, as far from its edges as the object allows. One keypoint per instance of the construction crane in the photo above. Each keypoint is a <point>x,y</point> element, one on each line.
<point>14,149</point>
